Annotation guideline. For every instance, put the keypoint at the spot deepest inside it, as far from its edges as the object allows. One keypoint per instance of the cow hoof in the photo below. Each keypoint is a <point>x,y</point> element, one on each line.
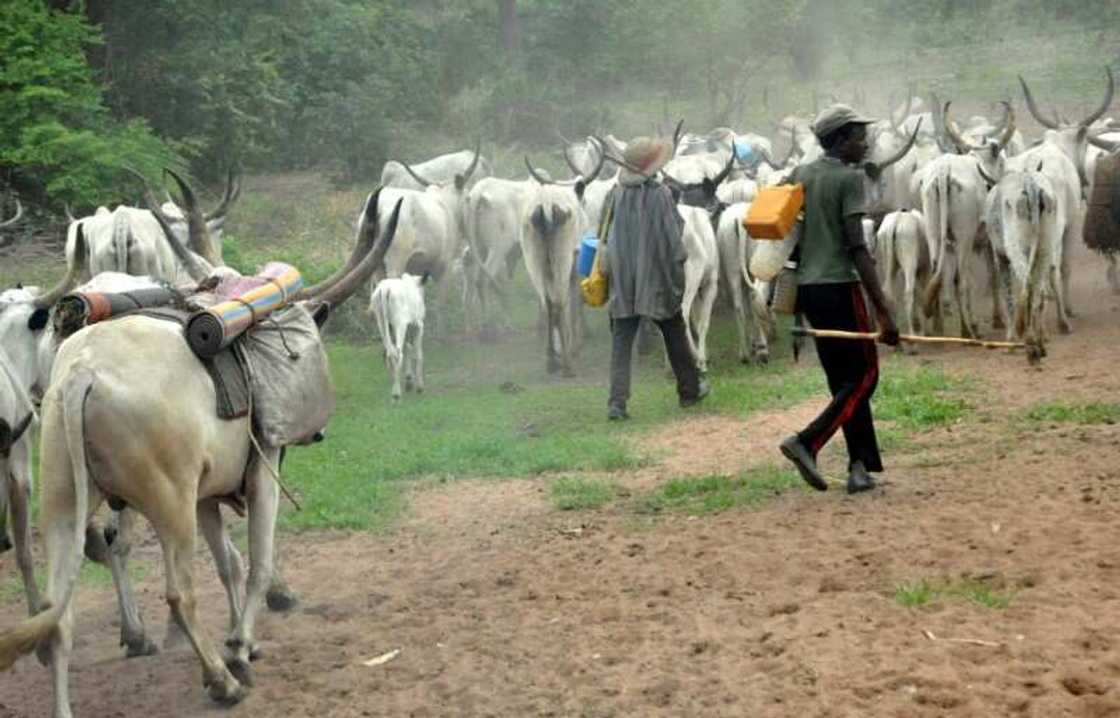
<point>280,599</point>
<point>139,647</point>
<point>226,691</point>
<point>240,670</point>
<point>409,384</point>
<point>746,361</point>
<point>256,653</point>
<point>762,359</point>
<point>419,388</point>
<point>396,399</point>
<point>1065,328</point>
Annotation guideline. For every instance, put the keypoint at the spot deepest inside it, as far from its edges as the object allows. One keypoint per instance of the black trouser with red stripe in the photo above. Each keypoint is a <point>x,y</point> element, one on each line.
<point>852,368</point>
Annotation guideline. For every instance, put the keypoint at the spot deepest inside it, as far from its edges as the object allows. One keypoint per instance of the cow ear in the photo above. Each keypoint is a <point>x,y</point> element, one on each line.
<point>19,285</point>
<point>580,188</point>
<point>460,182</point>
<point>994,149</point>
<point>38,319</point>
<point>321,313</point>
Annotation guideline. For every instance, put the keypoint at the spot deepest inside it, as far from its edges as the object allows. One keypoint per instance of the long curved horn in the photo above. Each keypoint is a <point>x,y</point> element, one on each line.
<point>599,166</point>
<point>1093,117</point>
<point>677,136</point>
<point>362,247</point>
<point>1008,125</point>
<point>571,165</point>
<point>535,174</point>
<point>902,152</point>
<point>725,172</point>
<point>412,173</point>
<point>191,261</point>
<point>233,192</point>
<point>81,253</point>
<point>954,132</point>
<point>13,220</point>
<point>346,286</point>
<point>474,163</point>
<point>197,233</point>
<point>1033,106</point>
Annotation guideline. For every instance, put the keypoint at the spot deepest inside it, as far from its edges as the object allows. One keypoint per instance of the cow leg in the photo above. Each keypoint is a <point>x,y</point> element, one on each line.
<point>734,280</point>
<point>707,300</point>
<point>176,525</point>
<point>418,358</point>
<point>552,330</point>
<point>396,356</point>
<point>1065,302</point>
<point>967,293</point>
<point>691,289</point>
<point>1004,298</point>
<point>993,284</point>
<point>263,498</point>
<point>1057,281</point>
<point>19,499</point>
<point>134,636</point>
<point>909,289</point>
<point>1113,271</point>
<point>230,572</point>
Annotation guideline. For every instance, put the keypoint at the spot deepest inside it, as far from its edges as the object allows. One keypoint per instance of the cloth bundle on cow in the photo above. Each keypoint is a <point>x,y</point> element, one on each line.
<point>1102,222</point>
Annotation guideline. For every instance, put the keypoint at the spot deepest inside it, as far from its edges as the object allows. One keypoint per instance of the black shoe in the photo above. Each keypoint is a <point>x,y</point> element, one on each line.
<point>795,451</point>
<point>704,389</point>
<point>859,480</point>
<point>617,413</point>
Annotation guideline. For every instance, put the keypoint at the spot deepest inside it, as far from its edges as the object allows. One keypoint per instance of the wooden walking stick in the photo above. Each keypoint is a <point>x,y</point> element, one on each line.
<point>912,338</point>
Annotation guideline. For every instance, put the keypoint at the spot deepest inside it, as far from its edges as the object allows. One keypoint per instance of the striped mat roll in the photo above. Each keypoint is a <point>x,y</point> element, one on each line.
<point>250,299</point>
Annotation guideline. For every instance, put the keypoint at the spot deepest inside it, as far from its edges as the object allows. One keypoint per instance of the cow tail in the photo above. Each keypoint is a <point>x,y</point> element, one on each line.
<point>933,290</point>
<point>30,634</point>
<point>1035,264</point>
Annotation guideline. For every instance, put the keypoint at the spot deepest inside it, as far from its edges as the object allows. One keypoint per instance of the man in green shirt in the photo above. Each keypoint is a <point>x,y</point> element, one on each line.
<point>835,268</point>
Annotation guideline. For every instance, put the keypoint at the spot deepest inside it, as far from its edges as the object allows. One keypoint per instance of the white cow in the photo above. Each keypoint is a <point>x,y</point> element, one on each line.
<point>398,306</point>
<point>901,248</point>
<point>1025,225</point>
<point>952,191</point>
<point>438,170</point>
<point>735,250</point>
<point>1071,141</point>
<point>701,279</point>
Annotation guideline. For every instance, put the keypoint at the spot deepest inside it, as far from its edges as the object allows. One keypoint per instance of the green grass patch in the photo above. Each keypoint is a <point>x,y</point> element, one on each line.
<point>92,575</point>
<point>573,493</point>
<point>713,494</point>
<point>982,593</point>
<point>918,398</point>
<point>1082,413</point>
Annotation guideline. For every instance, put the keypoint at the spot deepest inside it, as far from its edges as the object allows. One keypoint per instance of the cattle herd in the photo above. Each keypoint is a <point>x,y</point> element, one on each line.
<point>941,196</point>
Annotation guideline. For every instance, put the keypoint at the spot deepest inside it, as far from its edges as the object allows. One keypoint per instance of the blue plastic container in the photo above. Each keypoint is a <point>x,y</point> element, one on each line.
<point>587,247</point>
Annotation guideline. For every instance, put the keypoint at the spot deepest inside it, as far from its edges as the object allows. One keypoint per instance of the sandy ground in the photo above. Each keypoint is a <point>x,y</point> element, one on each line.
<point>503,606</point>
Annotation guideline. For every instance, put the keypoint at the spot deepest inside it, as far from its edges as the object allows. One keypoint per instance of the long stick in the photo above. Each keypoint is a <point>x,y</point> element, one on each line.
<point>913,338</point>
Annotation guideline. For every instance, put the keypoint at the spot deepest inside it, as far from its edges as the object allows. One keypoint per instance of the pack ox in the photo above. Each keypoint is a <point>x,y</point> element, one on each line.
<point>105,434</point>
<point>901,249</point>
<point>398,307</point>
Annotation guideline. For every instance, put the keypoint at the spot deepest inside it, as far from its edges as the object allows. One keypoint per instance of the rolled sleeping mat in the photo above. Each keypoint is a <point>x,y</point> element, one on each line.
<point>251,299</point>
<point>80,309</point>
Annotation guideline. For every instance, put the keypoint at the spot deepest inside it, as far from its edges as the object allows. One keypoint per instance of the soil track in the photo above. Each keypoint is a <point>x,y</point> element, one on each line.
<point>503,606</point>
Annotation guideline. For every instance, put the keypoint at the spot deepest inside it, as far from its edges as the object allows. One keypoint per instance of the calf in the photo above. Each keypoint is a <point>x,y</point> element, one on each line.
<point>736,248</point>
<point>398,305</point>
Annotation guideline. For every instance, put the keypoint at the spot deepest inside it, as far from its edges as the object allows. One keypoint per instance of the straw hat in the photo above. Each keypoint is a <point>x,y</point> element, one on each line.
<point>644,157</point>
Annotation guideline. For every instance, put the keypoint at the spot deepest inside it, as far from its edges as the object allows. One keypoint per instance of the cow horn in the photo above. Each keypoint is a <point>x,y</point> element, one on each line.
<point>412,173</point>
<point>954,132</point>
<point>474,163</point>
<point>571,165</point>
<point>233,192</point>
<point>69,213</point>
<point>902,152</point>
<point>599,166</point>
<point>1033,106</point>
<point>47,299</point>
<point>725,172</point>
<point>341,291</point>
<point>1008,125</point>
<point>677,136</point>
<point>362,247</point>
<point>198,235</point>
<point>1107,100</point>
<point>191,261</point>
<point>13,220</point>
<point>535,174</point>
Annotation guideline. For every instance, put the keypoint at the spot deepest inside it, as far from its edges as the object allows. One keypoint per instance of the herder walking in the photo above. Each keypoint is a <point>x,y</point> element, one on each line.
<point>645,262</point>
<point>835,266</point>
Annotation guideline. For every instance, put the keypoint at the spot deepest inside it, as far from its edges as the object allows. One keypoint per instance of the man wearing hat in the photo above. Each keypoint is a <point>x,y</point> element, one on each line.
<point>835,268</point>
<point>645,261</point>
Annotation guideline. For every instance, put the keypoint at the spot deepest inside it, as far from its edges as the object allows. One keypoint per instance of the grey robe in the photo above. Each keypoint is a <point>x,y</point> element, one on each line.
<point>645,257</point>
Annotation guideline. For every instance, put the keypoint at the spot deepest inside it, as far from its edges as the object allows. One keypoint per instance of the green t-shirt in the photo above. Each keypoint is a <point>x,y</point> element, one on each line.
<point>833,191</point>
